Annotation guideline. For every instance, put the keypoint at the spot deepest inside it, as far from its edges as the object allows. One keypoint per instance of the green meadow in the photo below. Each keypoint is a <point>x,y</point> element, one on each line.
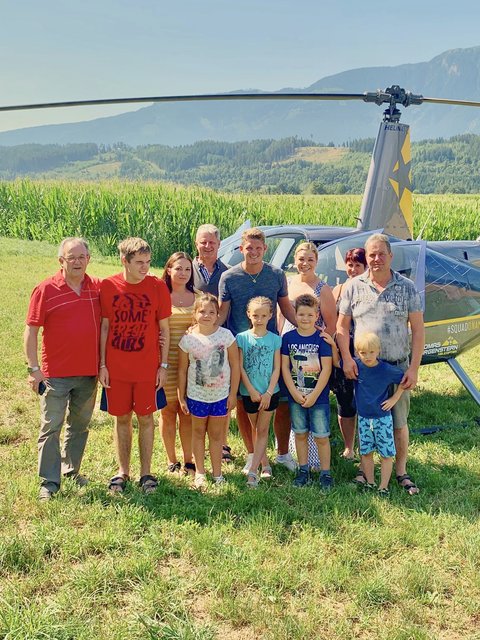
<point>276,563</point>
<point>271,563</point>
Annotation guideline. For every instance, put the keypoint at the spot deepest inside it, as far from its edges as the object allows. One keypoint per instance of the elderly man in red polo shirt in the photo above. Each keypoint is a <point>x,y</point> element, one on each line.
<point>67,307</point>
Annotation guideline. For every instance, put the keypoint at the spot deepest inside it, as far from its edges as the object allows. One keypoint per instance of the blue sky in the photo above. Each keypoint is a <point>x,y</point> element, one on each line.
<point>64,50</point>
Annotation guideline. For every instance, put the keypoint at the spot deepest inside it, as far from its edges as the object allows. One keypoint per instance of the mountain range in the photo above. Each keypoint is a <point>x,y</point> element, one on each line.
<point>452,74</point>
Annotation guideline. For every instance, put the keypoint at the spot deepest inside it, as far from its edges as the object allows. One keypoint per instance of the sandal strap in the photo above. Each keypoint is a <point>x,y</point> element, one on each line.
<point>148,480</point>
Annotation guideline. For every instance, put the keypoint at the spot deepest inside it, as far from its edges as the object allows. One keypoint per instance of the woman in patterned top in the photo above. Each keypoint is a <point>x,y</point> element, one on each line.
<point>178,276</point>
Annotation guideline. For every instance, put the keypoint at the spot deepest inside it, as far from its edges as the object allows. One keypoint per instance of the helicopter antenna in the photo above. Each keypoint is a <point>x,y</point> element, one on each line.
<point>424,225</point>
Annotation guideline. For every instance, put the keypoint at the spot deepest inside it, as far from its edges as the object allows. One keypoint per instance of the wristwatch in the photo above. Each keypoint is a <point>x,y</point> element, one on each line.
<point>33,369</point>
<point>164,365</point>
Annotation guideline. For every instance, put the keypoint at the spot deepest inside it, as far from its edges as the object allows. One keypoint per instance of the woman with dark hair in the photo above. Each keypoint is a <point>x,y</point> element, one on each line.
<point>355,264</point>
<point>178,276</point>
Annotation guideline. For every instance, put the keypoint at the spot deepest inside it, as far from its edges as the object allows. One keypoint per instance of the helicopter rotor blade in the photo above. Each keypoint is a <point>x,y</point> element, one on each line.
<point>188,98</point>
<point>462,103</point>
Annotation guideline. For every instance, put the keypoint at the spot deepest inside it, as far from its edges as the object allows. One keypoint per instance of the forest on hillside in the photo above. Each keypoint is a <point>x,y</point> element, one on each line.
<point>263,166</point>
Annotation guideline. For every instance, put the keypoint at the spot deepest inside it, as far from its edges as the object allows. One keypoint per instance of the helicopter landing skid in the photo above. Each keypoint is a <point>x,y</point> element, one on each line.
<point>462,375</point>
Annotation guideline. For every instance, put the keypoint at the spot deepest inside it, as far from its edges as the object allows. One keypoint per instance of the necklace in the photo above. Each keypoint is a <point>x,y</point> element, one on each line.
<point>255,276</point>
<point>179,300</point>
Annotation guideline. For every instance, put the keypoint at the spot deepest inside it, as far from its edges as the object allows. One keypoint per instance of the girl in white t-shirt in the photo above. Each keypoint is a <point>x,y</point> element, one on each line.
<point>208,378</point>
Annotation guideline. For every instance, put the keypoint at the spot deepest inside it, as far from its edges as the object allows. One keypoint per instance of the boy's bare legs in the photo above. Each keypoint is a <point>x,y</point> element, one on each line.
<point>260,424</point>
<point>347,429</point>
<point>199,429</point>
<point>301,445</point>
<point>385,472</point>
<point>146,432</point>
<point>324,453</point>
<point>281,427</point>
<point>168,431</point>
<point>216,431</point>
<point>122,435</point>
<point>368,467</point>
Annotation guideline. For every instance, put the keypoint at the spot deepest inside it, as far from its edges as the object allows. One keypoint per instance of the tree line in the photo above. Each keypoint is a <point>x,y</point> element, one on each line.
<point>265,166</point>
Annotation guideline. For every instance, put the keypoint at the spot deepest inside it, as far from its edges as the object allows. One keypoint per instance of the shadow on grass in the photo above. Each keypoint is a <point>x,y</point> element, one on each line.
<point>444,489</point>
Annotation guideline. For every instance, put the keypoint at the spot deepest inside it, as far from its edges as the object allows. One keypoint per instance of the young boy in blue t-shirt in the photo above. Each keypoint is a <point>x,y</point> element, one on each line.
<point>306,368</point>
<point>375,424</point>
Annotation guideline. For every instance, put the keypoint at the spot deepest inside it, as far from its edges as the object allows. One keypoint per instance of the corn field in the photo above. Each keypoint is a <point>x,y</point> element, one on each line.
<point>168,216</point>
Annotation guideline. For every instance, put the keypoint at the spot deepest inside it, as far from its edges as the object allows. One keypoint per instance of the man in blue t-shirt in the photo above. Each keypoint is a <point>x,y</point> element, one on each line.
<point>251,278</point>
<point>306,368</point>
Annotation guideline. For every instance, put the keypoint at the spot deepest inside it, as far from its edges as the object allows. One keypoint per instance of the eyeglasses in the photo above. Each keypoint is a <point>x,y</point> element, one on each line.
<point>72,259</point>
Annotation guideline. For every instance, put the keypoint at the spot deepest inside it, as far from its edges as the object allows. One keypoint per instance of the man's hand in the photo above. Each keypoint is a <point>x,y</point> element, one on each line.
<point>104,377</point>
<point>350,368</point>
<point>34,379</point>
<point>161,378</point>
<point>410,378</point>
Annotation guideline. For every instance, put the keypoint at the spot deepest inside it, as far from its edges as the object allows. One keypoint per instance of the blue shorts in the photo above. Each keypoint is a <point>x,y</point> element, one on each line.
<point>200,409</point>
<point>376,434</point>
<point>315,419</point>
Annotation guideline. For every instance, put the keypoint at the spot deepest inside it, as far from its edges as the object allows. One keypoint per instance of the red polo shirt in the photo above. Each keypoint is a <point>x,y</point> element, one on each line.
<point>71,326</point>
<point>133,312</point>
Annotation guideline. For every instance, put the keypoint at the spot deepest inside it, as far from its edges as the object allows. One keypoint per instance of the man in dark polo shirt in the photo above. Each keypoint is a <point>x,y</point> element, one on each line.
<point>207,268</point>
<point>67,307</point>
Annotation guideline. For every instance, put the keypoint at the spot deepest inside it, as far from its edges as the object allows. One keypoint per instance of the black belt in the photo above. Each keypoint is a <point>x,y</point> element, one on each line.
<point>397,362</point>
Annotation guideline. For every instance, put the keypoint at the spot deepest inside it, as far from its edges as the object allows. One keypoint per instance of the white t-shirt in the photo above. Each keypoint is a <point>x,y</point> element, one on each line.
<point>209,370</point>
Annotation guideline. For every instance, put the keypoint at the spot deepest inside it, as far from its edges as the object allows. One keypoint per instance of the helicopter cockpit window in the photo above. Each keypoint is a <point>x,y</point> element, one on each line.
<point>406,259</point>
<point>453,288</point>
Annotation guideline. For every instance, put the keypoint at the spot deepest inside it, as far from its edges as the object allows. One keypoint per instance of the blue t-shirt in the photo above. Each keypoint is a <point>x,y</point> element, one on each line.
<point>305,364</point>
<point>371,387</point>
<point>258,356</point>
<point>238,287</point>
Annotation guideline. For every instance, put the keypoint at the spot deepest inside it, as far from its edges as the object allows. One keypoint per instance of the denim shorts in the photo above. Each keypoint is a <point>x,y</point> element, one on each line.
<point>376,434</point>
<point>315,419</point>
<point>201,409</point>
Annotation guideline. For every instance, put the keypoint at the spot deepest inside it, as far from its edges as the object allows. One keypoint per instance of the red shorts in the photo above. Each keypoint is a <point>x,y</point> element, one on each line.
<point>122,397</point>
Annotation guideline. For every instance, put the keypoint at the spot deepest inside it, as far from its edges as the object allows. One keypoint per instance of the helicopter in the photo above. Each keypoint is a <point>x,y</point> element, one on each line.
<point>447,274</point>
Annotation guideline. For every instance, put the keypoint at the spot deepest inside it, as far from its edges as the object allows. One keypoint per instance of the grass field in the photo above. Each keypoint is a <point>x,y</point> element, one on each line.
<point>275,563</point>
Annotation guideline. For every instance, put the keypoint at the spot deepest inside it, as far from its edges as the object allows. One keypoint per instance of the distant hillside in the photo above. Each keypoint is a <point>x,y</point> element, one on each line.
<point>291,165</point>
<point>453,74</point>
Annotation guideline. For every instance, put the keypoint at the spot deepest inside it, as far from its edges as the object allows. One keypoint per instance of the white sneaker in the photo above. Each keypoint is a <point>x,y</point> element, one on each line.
<point>248,464</point>
<point>200,481</point>
<point>219,480</point>
<point>287,460</point>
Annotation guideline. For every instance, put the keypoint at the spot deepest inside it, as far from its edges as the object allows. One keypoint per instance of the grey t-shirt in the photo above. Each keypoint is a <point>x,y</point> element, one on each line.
<point>238,287</point>
<point>383,313</point>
